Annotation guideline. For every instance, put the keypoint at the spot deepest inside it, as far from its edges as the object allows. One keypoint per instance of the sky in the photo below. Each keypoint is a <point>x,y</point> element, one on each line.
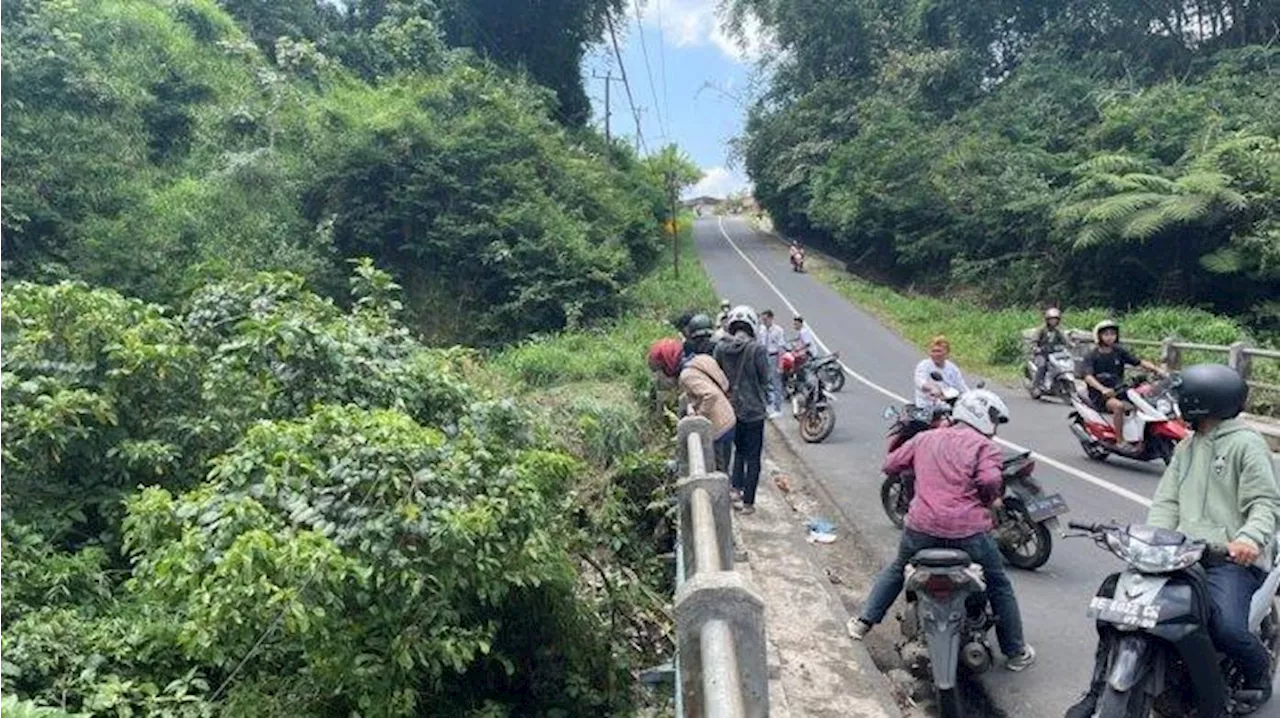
<point>699,102</point>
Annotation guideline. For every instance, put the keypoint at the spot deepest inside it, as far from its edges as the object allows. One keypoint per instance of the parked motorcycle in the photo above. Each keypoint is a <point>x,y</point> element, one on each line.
<point>1024,524</point>
<point>810,400</point>
<point>1059,377</point>
<point>947,611</point>
<point>1153,424</point>
<point>829,368</point>
<point>1154,615</point>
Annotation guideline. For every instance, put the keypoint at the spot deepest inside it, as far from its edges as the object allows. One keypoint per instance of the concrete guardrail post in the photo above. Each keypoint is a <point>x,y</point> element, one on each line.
<point>1238,359</point>
<point>720,629</point>
<point>1171,354</point>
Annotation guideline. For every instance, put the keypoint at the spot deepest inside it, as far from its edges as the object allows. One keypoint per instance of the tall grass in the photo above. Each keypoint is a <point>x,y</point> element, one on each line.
<point>988,341</point>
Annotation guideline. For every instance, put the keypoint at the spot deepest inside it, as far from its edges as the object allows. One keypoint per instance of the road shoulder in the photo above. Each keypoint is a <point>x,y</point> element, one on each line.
<point>820,670</point>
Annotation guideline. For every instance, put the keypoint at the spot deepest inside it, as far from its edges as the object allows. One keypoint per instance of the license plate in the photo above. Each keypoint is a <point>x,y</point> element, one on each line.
<point>1124,613</point>
<point>1046,507</point>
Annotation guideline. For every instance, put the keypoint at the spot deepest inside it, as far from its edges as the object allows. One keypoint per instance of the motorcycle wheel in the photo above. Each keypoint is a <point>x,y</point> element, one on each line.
<point>1064,390</point>
<point>1036,541</point>
<point>833,376</point>
<point>1129,704</point>
<point>817,424</point>
<point>949,703</point>
<point>892,499</point>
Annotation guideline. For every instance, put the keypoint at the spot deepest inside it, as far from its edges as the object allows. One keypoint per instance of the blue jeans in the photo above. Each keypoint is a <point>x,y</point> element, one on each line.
<point>1231,587</point>
<point>775,380</point>
<point>984,552</point>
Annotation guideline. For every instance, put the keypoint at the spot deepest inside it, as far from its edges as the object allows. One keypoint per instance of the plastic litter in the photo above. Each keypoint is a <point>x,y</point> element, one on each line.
<point>821,531</point>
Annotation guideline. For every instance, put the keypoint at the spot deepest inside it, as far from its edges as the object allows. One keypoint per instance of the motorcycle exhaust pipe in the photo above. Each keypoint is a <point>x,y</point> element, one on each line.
<point>1081,434</point>
<point>976,657</point>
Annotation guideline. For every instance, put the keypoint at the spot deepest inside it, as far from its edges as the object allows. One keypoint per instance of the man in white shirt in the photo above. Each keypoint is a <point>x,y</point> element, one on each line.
<point>804,341</point>
<point>928,389</point>
<point>774,343</point>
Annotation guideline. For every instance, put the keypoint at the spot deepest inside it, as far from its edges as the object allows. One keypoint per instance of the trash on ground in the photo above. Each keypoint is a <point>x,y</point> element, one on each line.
<point>821,531</point>
<point>783,482</point>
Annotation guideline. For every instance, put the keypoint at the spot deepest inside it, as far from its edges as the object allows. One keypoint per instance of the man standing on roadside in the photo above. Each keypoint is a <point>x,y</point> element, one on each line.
<point>774,344</point>
<point>746,364</point>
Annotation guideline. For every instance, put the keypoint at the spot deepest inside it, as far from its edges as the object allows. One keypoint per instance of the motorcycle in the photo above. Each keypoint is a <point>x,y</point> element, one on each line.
<point>829,368</point>
<point>947,610</point>
<point>1153,424</point>
<point>1154,614</point>
<point>811,404</point>
<point>1059,377</point>
<point>1024,523</point>
<point>797,260</point>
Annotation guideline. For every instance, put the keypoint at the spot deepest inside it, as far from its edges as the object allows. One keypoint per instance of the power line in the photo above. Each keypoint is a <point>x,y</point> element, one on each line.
<point>608,16</point>
<point>662,59</point>
<point>644,49</point>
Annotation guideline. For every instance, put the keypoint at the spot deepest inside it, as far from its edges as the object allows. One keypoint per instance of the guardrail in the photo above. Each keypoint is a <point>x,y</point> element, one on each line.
<point>1239,355</point>
<point>721,667</point>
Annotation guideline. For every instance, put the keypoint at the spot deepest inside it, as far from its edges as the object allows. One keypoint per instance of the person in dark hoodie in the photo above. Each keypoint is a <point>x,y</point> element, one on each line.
<point>746,364</point>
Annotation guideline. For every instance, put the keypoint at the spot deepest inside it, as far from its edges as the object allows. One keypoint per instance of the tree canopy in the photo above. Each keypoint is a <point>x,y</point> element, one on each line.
<point>1082,152</point>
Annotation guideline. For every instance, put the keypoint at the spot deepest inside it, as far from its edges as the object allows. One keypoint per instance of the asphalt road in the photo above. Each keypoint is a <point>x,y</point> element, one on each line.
<point>751,267</point>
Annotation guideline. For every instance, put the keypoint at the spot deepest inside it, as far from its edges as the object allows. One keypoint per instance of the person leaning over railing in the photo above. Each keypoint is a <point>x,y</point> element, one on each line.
<point>705,389</point>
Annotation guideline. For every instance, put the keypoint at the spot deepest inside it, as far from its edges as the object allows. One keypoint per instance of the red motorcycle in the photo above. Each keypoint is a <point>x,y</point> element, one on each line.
<point>1153,423</point>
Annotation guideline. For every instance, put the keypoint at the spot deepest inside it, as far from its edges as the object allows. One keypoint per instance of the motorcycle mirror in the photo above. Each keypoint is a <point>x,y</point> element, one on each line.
<point>936,375</point>
<point>981,384</point>
<point>890,412</point>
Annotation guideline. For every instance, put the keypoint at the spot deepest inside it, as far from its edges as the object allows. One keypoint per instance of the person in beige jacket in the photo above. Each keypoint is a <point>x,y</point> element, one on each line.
<point>705,388</point>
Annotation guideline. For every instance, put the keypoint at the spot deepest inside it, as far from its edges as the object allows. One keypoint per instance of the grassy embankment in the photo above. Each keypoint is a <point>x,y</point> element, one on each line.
<point>988,341</point>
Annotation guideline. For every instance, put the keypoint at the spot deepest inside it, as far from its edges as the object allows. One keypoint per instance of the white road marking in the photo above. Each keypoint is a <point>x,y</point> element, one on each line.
<point>1065,468</point>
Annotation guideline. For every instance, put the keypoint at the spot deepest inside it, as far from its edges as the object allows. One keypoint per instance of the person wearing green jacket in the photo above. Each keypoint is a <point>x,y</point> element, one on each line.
<point>1221,488</point>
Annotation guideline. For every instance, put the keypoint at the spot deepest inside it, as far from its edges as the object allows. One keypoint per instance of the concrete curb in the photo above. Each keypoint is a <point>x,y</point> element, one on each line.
<point>819,669</point>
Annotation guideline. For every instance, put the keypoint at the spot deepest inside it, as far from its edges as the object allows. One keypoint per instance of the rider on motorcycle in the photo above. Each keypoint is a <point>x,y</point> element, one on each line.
<point>928,390</point>
<point>804,343</point>
<point>797,252</point>
<point>958,480</point>
<point>1220,487</point>
<point>1049,339</point>
<point>1104,373</point>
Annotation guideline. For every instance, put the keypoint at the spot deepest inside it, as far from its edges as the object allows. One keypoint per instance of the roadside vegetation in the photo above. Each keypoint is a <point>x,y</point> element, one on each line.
<point>1093,153</point>
<point>323,370</point>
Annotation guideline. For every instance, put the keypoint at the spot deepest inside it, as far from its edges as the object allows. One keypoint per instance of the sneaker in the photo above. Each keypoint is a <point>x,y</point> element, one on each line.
<point>735,495</point>
<point>1086,706</point>
<point>748,509</point>
<point>857,628</point>
<point>1022,661</point>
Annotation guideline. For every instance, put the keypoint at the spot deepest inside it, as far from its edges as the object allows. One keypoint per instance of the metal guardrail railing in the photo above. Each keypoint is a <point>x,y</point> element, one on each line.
<point>1239,356</point>
<point>721,666</point>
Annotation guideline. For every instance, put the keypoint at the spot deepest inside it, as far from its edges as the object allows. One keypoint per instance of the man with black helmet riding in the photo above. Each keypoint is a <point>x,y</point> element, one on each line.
<point>1104,373</point>
<point>1220,487</point>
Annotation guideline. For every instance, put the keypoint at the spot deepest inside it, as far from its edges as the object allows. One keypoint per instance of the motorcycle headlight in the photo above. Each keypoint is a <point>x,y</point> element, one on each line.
<point>1164,406</point>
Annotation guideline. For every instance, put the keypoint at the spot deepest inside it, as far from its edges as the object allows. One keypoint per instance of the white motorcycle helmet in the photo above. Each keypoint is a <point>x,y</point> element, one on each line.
<point>742,316</point>
<point>982,410</point>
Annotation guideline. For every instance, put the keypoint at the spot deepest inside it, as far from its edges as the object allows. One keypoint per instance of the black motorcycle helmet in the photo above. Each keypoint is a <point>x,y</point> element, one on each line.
<point>700,326</point>
<point>1211,391</point>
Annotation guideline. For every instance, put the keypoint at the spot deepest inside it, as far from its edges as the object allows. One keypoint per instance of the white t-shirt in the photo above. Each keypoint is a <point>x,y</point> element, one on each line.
<point>805,339</point>
<point>774,339</point>
<point>951,377</point>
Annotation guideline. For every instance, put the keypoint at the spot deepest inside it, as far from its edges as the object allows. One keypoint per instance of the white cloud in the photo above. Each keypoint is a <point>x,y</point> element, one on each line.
<point>718,182</point>
<point>688,23</point>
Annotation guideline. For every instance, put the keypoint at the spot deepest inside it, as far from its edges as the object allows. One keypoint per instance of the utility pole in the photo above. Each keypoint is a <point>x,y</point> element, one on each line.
<point>639,113</point>
<point>609,79</point>
<point>675,226</point>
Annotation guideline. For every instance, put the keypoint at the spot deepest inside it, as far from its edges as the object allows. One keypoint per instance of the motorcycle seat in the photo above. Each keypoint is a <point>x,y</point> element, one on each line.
<point>941,558</point>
